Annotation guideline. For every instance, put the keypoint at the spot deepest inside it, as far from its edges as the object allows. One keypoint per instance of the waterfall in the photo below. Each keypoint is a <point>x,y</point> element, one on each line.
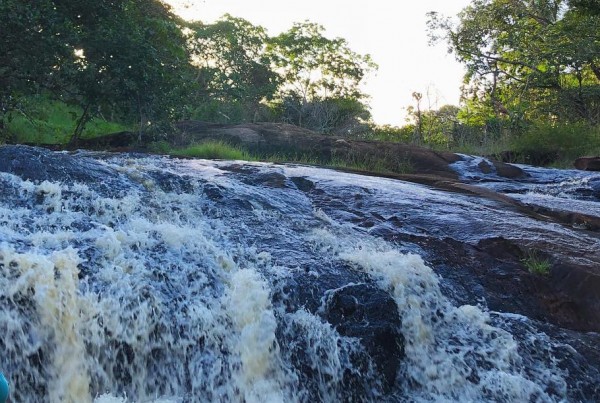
<point>159,280</point>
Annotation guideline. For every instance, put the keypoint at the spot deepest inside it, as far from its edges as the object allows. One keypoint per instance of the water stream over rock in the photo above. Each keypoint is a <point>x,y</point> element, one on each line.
<point>133,278</point>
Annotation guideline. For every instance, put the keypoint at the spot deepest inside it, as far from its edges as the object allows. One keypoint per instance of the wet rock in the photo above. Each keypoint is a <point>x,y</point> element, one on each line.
<point>269,138</point>
<point>38,165</point>
<point>594,185</point>
<point>587,163</point>
<point>355,307</point>
<point>501,169</point>
<point>508,171</point>
<point>254,176</point>
<point>582,285</point>
<point>169,182</point>
<point>365,312</point>
<point>327,312</point>
<point>303,184</point>
<point>485,167</point>
<point>213,192</point>
<point>271,179</point>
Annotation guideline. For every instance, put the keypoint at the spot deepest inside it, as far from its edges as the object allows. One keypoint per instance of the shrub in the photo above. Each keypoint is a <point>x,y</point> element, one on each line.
<point>160,147</point>
<point>565,141</point>
<point>214,150</point>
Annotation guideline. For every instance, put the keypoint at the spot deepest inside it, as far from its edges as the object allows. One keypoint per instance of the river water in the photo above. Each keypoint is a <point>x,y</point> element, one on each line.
<point>147,279</point>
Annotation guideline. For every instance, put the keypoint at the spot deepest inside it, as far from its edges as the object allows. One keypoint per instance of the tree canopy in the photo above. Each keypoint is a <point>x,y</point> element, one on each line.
<point>134,60</point>
<point>527,60</point>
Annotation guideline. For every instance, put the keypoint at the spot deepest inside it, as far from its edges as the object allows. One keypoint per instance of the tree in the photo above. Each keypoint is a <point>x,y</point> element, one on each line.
<point>131,56</point>
<point>34,49</point>
<point>233,67</point>
<point>315,69</point>
<point>527,60</point>
<point>128,56</point>
<point>591,7</point>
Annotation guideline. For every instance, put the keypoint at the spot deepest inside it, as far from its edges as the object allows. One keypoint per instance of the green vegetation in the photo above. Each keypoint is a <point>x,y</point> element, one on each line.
<point>533,74</point>
<point>214,150</point>
<point>563,142</point>
<point>349,161</point>
<point>71,70</point>
<point>52,122</point>
<point>135,63</point>
<point>535,264</point>
<point>387,164</point>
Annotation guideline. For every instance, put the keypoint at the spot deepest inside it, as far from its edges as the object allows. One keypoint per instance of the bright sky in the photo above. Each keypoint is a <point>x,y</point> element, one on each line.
<point>393,32</point>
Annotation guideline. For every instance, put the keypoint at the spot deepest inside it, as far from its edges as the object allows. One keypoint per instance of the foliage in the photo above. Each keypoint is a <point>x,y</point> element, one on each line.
<point>127,57</point>
<point>320,79</point>
<point>33,50</point>
<point>44,121</point>
<point>397,134</point>
<point>536,264</point>
<point>341,116</point>
<point>527,60</point>
<point>566,141</point>
<point>134,61</point>
<point>314,66</point>
<point>214,150</point>
<point>131,56</point>
<point>233,68</point>
<point>436,126</point>
<point>160,147</point>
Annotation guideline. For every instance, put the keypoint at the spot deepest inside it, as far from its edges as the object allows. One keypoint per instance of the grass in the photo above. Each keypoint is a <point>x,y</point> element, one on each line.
<point>536,264</point>
<point>280,157</point>
<point>45,121</point>
<point>214,150</point>
<point>225,151</point>
<point>351,161</point>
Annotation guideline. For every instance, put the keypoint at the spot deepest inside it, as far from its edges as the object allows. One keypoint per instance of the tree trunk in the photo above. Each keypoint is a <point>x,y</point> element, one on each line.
<point>81,122</point>
<point>596,70</point>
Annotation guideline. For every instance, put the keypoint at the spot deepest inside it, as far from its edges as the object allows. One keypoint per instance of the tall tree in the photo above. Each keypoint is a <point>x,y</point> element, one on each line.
<point>131,56</point>
<point>125,55</point>
<point>316,69</point>
<point>527,59</point>
<point>314,66</point>
<point>232,64</point>
<point>34,49</point>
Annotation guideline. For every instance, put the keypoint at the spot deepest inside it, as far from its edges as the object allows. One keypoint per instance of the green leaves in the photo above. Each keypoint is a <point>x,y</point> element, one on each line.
<point>136,62</point>
<point>314,66</point>
<point>528,60</point>
<point>230,55</point>
<point>320,79</point>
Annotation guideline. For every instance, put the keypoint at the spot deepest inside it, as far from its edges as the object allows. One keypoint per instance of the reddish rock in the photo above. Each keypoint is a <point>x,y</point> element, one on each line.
<point>588,163</point>
<point>279,138</point>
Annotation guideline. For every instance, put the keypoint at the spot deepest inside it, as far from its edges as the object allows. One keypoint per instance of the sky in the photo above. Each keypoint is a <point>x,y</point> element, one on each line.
<point>393,32</point>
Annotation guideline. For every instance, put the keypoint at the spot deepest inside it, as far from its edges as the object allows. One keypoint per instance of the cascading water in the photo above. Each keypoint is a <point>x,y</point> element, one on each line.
<point>561,189</point>
<point>135,278</point>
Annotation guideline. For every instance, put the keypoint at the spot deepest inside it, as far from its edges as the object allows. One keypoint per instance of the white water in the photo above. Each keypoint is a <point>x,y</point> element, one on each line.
<point>165,297</point>
<point>447,346</point>
<point>557,189</point>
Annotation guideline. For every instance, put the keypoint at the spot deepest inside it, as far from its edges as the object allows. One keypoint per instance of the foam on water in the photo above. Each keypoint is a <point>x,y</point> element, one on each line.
<point>249,305</point>
<point>98,270</point>
<point>163,296</point>
<point>452,352</point>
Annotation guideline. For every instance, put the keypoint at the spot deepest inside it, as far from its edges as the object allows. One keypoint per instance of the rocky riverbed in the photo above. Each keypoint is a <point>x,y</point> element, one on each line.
<point>151,278</point>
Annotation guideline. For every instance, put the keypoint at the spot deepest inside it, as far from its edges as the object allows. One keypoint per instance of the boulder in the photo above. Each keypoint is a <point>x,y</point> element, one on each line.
<point>279,138</point>
<point>587,163</point>
<point>39,164</point>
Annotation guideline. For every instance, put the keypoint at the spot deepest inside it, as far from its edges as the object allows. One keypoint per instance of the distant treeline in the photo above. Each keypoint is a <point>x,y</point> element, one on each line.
<point>134,61</point>
<point>532,67</point>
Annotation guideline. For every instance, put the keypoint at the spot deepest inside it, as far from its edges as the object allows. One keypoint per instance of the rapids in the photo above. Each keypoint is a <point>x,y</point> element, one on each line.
<point>133,278</point>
